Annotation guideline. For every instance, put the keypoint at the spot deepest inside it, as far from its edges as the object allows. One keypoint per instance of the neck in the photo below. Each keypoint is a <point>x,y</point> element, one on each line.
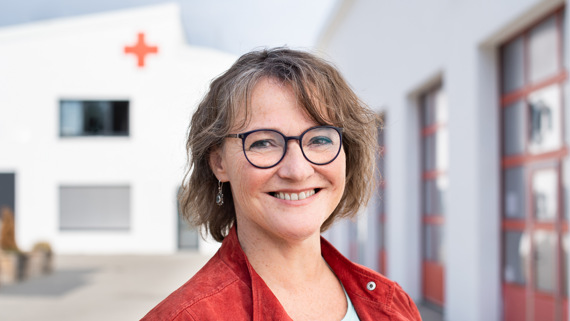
<point>285,263</point>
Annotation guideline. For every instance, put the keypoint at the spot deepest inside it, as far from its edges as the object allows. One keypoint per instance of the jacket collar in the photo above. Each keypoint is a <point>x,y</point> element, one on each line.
<point>353,277</point>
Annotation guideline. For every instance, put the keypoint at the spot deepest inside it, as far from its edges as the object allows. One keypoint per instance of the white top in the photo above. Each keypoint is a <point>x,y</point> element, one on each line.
<point>350,312</point>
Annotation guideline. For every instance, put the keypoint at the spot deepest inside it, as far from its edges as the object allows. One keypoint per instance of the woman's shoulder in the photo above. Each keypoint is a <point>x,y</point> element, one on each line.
<point>211,294</point>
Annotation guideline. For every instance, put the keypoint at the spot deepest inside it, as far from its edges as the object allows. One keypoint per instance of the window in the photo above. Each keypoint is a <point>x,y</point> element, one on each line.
<point>93,118</point>
<point>8,191</point>
<point>94,207</point>
<point>533,151</point>
<point>435,156</point>
<point>188,236</point>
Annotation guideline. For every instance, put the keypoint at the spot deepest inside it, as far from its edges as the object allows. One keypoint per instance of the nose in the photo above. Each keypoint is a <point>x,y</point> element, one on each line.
<point>294,165</point>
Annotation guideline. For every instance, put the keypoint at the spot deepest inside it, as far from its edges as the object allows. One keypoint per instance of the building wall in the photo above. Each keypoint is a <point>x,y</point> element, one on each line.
<point>83,58</point>
<point>393,51</point>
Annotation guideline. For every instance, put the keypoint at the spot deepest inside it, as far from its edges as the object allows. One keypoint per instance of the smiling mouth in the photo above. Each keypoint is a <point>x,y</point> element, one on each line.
<point>295,196</point>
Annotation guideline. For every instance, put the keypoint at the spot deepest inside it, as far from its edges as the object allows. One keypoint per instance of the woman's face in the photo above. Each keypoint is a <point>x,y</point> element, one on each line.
<point>274,106</point>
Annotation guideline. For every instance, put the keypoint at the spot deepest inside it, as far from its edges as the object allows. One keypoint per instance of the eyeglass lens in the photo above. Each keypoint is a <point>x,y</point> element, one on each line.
<point>266,148</point>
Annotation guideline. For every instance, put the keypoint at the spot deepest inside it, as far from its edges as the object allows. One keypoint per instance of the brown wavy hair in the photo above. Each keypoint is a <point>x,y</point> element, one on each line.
<point>326,98</point>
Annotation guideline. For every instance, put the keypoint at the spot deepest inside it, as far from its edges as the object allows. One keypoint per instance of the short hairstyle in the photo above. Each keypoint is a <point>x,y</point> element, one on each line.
<point>326,98</point>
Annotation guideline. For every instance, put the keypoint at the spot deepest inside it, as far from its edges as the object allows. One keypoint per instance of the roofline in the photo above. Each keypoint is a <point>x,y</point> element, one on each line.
<point>108,18</point>
<point>335,18</point>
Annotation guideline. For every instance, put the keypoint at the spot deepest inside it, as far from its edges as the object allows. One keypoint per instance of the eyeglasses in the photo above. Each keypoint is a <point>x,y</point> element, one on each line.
<point>265,148</point>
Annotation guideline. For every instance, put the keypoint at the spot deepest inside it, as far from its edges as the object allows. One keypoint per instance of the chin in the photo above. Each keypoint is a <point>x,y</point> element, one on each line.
<point>297,229</point>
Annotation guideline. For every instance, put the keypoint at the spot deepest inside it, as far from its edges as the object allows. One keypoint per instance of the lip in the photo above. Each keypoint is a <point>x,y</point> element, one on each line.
<point>296,191</point>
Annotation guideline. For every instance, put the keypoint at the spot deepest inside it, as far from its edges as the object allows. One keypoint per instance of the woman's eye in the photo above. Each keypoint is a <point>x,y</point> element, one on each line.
<point>261,144</point>
<point>320,141</point>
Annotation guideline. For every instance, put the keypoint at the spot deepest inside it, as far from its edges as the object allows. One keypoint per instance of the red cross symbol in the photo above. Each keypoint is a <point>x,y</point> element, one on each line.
<point>141,49</point>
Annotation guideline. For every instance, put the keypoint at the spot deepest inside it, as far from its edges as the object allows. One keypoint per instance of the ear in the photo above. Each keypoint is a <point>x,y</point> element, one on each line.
<point>217,165</point>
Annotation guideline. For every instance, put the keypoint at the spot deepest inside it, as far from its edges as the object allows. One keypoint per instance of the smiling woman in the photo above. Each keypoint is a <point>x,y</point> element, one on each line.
<point>279,149</point>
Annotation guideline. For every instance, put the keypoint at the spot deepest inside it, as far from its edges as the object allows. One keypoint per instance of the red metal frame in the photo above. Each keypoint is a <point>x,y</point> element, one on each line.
<point>433,272</point>
<point>526,302</point>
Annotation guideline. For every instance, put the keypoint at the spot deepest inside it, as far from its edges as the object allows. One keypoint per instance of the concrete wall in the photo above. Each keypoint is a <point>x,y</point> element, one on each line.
<point>83,58</point>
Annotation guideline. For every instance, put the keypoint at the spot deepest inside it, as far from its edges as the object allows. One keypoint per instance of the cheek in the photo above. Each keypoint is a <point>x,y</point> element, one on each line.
<point>246,180</point>
<point>339,171</point>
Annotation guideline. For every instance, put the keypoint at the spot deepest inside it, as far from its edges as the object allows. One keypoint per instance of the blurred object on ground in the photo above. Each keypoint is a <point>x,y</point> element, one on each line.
<point>16,265</point>
<point>7,233</point>
<point>98,287</point>
<point>40,260</point>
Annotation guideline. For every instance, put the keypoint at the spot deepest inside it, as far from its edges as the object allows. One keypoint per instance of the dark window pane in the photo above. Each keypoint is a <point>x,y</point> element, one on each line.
<point>565,257</point>
<point>428,196</point>
<point>513,129</point>
<point>544,260</point>
<point>517,248</point>
<point>94,118</point>
<point>513,65</point>
<point>427,110</point>
<point>429,251</point>
<point>429,148</point>
<point>544,194</point>
<point>543,50</point>
<point>433,243</point>
<point>545,120</point>
<point>514,185</point>
<point>120,117</point>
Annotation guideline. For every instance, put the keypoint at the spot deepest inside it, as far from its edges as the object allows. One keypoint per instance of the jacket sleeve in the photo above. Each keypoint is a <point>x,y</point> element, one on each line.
<point>404,305</point>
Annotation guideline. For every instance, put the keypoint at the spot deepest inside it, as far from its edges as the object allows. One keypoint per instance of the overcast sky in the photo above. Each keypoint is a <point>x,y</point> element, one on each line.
<point>235,26</point>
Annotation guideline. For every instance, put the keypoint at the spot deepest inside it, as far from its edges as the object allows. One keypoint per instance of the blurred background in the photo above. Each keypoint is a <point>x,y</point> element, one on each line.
<point>470,216</point>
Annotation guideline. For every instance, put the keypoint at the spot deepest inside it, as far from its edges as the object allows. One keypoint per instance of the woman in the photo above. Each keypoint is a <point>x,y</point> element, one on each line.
<point>280,148</point>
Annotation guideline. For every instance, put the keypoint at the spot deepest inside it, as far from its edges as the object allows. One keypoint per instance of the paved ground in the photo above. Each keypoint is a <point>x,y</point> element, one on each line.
<point>105,288</point>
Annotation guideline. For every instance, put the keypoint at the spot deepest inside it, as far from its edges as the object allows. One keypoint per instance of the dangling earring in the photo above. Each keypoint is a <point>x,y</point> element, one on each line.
<point>220,196</point>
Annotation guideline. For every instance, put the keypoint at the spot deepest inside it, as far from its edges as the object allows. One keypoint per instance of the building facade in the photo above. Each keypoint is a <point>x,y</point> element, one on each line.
<point>93,116</point>
<point>474,215</point>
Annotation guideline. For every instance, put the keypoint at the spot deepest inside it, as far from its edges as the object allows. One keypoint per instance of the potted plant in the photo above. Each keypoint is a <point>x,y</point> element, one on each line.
<point>12,260</point>
<point>39,260</point>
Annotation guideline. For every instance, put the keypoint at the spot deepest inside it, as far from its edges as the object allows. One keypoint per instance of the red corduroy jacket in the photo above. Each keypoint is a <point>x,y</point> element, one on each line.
<point>228,288</point>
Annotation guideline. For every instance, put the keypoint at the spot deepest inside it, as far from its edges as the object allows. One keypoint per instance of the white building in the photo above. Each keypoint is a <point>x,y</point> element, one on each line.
<point>474,96</point>
<point>93,116</point>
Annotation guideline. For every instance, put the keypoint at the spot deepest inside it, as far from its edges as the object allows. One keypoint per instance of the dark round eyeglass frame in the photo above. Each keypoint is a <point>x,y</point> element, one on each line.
<point>299,138</point>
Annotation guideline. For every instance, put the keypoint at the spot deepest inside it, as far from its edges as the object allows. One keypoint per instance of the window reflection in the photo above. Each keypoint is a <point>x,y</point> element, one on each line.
<point>514,129</point>
<point>428,110</point>
<point>94,118</point>
<point>516,255</point>
<point>513,65</point>
<point>514,184</point>
<point>544,194</point>
<point>544,260</point>
<point>429,147</point>
<point>442,149</point>
<point>543,50</point>
<point>433,243</point>
<point>565,257</point>
<point>544,120</point>
<point>441,188</point>
<point>428,191</point>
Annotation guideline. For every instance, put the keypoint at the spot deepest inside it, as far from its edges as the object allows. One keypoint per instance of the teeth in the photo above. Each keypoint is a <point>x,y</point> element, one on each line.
<point>294,196</point>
